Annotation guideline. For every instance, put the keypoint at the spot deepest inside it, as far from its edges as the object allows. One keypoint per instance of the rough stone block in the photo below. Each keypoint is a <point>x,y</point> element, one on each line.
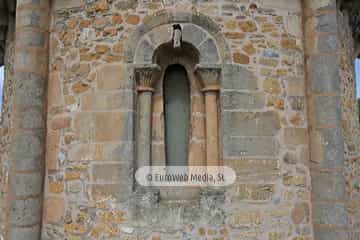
<point>27,17</point>
<point>144,52</point>
<point>327,23</point>
<point>52,150</point>
<point>295,87</point>
<point>109,173</point>
<point>31,88</point>
<point>25,212</point>
<point>27,184</point>
<point>327,110</point>
<point>245,166</point>
<point>295,136</point>
<point>55,90</point>
<point>30,118</point>
<point>25,60</point>
<point>248,101</point>
<point>238,78</point>
<point>27,149</point>
<point>113,126</point>
<point>250,146</point>
<point>118,192</point>
<point>107,101</point>
<point>193,34</point>
<point>328,148</point>
<point>330,234</point>
<point>324,74</point>
<point>251,124</point>
<point>328,187</point>
<point>54,209</point>
<point>328,43</point>
<point>113,77</point>
<point>24,233</point>
<point>31,39</point>
<point>208,52</point>
<point>65,4</point>
<point>294,5</point>
<point>331,214</point>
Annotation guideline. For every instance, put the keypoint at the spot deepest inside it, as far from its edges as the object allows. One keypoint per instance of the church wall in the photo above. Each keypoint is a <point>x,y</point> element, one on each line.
<point>91,115</point>
<point>351,127</point>
<point>6,124</point>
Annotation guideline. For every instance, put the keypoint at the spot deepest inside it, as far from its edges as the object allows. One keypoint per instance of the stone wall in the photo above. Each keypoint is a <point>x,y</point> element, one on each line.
<point>6,123</point>
<point>91,112</point>
<point>351,120</point>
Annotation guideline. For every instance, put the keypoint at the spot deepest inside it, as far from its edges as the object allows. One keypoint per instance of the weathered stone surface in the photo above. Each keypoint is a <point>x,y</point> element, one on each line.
<point>295,136</point>
<point>145,52</point>
<point>328,43</point>
<point>193,34</point>
<point>328,148</point>
<point>247,101</point>
<point>330,234</point>
<point>324,74</point>
<point>54,209</point>
<point>110,173</point>
<point>27,184</point>
<point>118,192</point>
<point>64,4</point>
<point>209,52</point>
<point>112,77</point>
<point>26,212</point>
<point>30,89</point>
<point>328,110</point>
<point>251,124</point>
<point>328,187</point>
<point>238,78</point>
<point>27,148</point>
<point>250,146</point>
<point>23,233</point>
<point>327,23</point>
<point>331,214</point>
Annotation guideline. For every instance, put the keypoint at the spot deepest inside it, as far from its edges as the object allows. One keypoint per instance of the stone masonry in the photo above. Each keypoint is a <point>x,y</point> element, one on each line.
<point>272,95</point>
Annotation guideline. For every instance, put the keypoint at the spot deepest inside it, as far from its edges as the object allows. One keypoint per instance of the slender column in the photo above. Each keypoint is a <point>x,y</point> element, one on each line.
<point>28,125</point>
<point>210,78</point>
<point>145,82</point>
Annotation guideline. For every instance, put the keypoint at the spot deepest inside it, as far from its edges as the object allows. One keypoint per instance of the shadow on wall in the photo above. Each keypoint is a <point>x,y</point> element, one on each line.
<point>1,86</point>
<point>357,74</point>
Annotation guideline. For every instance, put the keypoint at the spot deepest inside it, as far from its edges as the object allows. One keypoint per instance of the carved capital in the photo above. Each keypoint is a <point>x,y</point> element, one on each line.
<point>209,77</point>
<point>146,77</point>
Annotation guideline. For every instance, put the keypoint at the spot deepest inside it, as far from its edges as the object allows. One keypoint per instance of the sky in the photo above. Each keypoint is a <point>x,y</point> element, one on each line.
<point>357,69</point>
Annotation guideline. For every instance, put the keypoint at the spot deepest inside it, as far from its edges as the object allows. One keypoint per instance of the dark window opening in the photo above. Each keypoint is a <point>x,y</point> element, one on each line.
<point>176,92</point>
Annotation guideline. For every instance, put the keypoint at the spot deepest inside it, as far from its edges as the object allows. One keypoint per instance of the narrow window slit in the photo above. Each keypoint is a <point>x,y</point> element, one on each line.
<point>177,115</point>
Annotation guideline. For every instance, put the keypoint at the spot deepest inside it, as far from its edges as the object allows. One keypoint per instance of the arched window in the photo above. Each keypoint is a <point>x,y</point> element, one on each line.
<point>176,92</point>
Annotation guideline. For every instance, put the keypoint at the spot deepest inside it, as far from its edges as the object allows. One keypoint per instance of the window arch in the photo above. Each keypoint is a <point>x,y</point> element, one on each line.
<point>176,94</point>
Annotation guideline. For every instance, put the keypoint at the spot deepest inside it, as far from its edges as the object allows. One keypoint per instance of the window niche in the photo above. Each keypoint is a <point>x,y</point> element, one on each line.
<point>181,70</point>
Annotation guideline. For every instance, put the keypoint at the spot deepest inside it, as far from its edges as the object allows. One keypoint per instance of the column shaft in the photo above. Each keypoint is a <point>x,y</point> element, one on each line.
<point>144,129</point>
<point>28,125</point>
<point>212,129</point>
